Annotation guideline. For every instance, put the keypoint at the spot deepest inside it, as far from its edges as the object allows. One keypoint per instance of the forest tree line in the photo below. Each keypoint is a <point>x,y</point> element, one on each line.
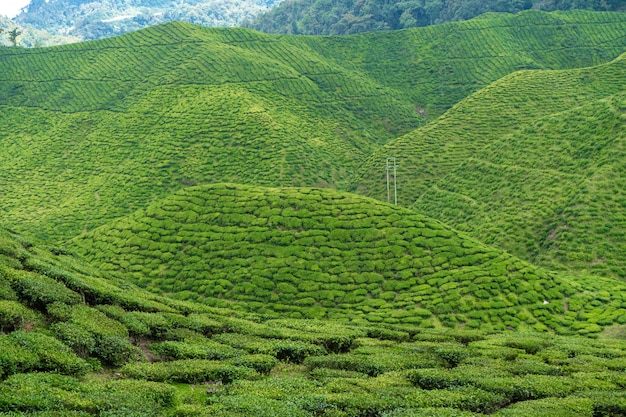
<point>342,17</point>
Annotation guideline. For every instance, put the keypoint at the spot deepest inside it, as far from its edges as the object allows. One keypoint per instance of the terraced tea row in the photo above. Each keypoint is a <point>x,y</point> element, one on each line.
<point>93,131</point>
<point>534,180</point>
<point>74,342</point>
<point>325,254</point>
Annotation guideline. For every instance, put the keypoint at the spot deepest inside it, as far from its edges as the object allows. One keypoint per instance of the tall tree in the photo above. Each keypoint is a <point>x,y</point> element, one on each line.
<point>13,34</point>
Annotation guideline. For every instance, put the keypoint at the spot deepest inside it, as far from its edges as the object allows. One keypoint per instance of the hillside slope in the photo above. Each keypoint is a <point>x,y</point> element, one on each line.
<point>76,343</point>
<point>532,164</point>
<point>326,254</point>
<point>90,132</point>
<point>96,130</point>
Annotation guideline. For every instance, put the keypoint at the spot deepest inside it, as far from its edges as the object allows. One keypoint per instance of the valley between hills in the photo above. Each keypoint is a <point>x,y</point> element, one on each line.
<point>194,222</point>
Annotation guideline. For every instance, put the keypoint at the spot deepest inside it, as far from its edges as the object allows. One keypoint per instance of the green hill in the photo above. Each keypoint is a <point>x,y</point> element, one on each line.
<point>531,164</point>
<point>90,132</point>
<point>326,254</point>
<point>74,342</point>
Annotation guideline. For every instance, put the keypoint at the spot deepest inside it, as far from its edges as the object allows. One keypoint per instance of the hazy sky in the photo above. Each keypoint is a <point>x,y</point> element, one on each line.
<point>12,7</point>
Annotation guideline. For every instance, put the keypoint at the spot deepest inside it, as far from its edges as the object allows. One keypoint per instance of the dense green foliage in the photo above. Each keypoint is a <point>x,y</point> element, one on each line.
<point>343,17</point>
<point>543,180</point>
<point>325,254</point>
<point>29,35</point>
<point>88,19</point>
<point>419,319</point>
<point>192,360</point>
<point>90,132</point>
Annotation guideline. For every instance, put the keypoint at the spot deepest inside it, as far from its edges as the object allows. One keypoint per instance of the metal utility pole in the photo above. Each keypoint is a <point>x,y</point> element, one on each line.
<point>389,164</point>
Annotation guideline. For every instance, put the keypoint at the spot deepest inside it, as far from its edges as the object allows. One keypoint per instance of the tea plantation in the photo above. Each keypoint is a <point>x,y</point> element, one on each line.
<point>185,285</point>
<point>93,131</point>
<point>320,253</point>
<point>542,180</point>
<point>76,343</point>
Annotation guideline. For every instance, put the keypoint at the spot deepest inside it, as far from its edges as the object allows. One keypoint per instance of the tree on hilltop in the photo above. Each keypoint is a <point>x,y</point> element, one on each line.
<point>13,34</point>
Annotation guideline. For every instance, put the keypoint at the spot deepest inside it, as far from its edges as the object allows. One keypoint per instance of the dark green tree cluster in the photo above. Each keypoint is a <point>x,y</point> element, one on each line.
<point>341,17</point>
<point>13,34</point>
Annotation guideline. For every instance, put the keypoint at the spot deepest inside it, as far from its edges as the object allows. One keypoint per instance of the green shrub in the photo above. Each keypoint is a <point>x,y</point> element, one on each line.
<point>370,364</point>
<point>428,412</point>
<point>80,340</point>
<point>14,315</point>
<point>39,290</point>
<point>530,344</point>
<point>263,364</point>
<point>205,324</point>
<point>436,378</point>
<point>550,407</point>
<point>285,350</point>
<point>190,371</point>
<point>96,322</point>
<point>116,350</point>
<point>388,334</point>
<point>453,355</point>
<point>52,392</point>
<point>172,350</point>
<point>14,359</point>
<point>533,366</point>
<point>528,387</point>
<point>251,405</point>
<point>606,403</point>
<point>25,352</point>
<point>328,374</point>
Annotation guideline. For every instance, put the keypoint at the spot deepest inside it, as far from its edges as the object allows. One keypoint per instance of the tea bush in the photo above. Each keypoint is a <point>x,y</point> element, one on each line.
<point>189,371</point>
<point>24,352</point>
<point>14,315</point>
<point>172,350</point>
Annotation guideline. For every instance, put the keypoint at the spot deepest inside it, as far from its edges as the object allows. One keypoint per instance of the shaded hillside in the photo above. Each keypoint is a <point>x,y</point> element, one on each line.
<point>325,254</point>
<point>344,17</point>
<point>90,132</point>
<point>76,343</point>
<point>532,164</point>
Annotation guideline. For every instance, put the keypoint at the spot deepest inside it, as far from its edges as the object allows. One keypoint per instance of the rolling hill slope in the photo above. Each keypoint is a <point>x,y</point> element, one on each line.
<point>532,164</point>
<point>76,343</point>
<point>326,254</point>
<point>90,132</point>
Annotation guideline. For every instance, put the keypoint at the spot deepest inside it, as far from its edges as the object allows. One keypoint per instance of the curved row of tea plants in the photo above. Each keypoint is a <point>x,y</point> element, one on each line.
<point>327,254</point>
<point>76,343</point>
